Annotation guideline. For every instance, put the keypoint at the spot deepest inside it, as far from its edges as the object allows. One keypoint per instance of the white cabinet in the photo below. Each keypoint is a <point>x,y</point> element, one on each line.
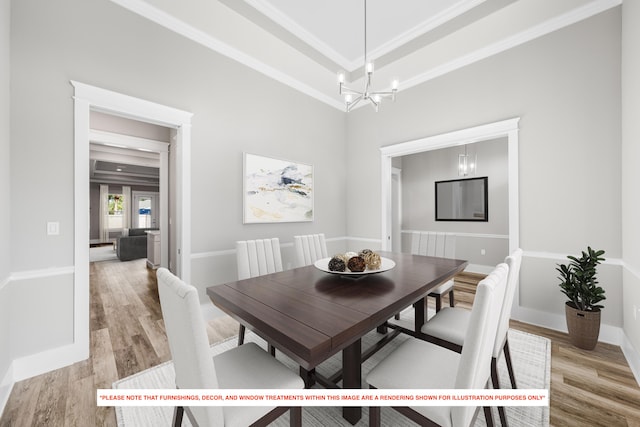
<point>153,249</point>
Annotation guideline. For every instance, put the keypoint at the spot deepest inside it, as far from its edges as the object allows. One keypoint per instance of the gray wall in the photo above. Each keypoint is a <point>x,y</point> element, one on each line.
<point>5,194</point>
<point>420,171</point>
<point>566,89</point>
<point>235,109</point>
<point>630,170</point>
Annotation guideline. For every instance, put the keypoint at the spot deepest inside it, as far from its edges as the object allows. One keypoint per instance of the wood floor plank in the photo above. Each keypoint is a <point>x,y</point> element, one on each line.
<point>103,358</point>
<point>82,397</point>
<point>21,405</point>
<point>52,400</point>
<point>156,336</point>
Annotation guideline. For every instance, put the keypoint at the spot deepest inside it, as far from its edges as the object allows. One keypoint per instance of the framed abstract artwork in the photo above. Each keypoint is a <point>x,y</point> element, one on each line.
<point>276,190</point>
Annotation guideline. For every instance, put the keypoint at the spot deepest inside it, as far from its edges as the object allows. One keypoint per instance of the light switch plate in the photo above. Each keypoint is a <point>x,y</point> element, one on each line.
<point>53,228</point>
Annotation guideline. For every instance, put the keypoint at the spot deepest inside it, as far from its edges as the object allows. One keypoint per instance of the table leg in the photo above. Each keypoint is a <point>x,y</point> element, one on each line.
<point>308,377</point>
<point>420,308</point>
<point>352,378</point>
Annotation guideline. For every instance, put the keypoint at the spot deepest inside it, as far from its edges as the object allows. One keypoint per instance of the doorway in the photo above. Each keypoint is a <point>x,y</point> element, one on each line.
<point>506,128</point>
<point>89,98</point>
<point>145,209</point>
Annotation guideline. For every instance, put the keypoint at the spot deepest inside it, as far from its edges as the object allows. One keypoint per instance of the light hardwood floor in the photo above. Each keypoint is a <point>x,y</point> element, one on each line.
<point>588,388</point>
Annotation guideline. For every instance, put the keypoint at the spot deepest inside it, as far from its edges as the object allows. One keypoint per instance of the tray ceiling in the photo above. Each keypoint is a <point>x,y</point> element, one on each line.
<point>303,43</point>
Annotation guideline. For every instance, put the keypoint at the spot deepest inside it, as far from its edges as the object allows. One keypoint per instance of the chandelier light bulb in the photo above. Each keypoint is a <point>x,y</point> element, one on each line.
<point>353,97</point>
<point>369,67</point>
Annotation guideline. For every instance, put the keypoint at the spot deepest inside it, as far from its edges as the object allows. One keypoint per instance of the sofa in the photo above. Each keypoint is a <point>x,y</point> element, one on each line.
<point>132,244</point>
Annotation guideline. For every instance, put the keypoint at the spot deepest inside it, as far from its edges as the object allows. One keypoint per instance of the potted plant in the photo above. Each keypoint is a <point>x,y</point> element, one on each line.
<point>579,284</point>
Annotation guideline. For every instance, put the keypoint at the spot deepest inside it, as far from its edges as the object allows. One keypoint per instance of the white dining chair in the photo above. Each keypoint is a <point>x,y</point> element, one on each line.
<point>246,367</point>
<point>418,364</point>
<point>448,327</point>
<point>257,258</point>
<point>428,243</point>
<point>309,248</point>
<point>440,245</point>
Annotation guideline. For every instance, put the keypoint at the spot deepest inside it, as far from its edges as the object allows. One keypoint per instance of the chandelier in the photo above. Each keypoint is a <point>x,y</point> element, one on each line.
<point>353,97</point>
<point>467,163</point>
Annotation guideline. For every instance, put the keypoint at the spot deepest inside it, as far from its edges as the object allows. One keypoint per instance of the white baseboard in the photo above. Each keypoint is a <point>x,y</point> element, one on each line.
<point>632,356</point>
<point>48,360</point>
<point>6,385</point>
<point>608,334</point>
<point>479,269</point>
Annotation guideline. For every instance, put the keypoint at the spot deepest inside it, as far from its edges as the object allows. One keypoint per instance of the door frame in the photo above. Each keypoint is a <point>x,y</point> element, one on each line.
<point>91,98</point>
<point>506,128</point>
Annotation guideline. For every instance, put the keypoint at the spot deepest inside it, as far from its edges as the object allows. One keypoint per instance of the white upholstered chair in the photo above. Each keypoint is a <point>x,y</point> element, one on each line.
<point>418,364</point>
<point>441,245</point>
<point>309,248</point>
<point>257,258</point>
<point>448,327</point>
<point>244,367</point>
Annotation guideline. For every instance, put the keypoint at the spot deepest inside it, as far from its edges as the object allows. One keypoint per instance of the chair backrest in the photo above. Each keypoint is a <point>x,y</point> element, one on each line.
<point>309,249</point>
<point>433,244</point>
<point>188,342</point>
<point>258,257</point>
<point>513,261</point>
<point>475,359</point>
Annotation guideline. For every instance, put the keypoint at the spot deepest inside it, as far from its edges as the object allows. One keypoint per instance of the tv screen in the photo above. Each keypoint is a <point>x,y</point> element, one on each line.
<point>462,200</point>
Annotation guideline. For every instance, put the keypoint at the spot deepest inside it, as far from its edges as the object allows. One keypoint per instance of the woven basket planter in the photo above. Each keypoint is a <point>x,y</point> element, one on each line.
<point>583,326</point>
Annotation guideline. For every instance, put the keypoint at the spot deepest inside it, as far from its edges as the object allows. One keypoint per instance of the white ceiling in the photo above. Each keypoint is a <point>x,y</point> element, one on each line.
<point>303,43</point>
<point>336,27</point>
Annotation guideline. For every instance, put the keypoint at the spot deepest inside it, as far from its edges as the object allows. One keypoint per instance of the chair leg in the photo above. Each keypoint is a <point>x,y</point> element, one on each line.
<point>451,299</point>
<point>495,381</point>
<point>488,417</point>
<point>374,416</point>
<point>295,416</point>
<point>397,316</point>
<point>272,350</point>
<point>503,416</point>
<point>241,335</point>
<point>507,358</point>
<point>178,412</point>
<point>438,303</point>
<point>494,373</point>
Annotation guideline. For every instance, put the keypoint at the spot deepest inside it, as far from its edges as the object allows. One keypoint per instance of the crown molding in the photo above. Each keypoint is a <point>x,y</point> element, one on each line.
<point>542,29</point>
<point>445,16</point>
<point>291,26</point>
<point>178,26</point>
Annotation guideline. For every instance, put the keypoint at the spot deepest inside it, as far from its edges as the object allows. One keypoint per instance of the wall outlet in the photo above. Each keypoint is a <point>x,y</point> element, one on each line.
<point>635,312</point>
<point>483,252</point>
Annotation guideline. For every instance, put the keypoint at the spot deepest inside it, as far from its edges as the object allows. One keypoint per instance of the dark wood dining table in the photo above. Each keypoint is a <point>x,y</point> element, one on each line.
<point>310,315</point>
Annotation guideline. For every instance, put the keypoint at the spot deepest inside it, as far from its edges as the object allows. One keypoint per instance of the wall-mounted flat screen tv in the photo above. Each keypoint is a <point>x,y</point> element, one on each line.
<point>462,200</point>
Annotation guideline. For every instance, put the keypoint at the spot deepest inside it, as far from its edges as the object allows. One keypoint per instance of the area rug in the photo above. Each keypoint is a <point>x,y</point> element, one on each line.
<point>102,253</point>
<point>531,356</point>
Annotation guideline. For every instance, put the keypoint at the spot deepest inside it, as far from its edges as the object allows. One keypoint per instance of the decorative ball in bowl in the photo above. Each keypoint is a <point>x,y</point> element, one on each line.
<point>355,263</point>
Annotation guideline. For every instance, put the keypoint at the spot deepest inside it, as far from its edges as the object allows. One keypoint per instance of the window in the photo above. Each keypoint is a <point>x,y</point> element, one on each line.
<point>115,203</point>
